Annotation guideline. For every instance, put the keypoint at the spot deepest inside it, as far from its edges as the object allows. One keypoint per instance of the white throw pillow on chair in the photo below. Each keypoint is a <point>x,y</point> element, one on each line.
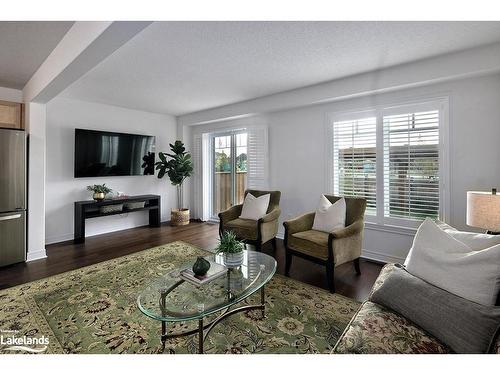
<point>442,260</point>
<point>255,208</point>
<point>329,216</point>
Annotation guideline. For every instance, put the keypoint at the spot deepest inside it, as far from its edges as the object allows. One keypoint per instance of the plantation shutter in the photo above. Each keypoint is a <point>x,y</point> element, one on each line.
<point>354,160</point>
<point>258,157</point>
<point>198,176</point>
<point>411,165</point>
<point>201,176</point>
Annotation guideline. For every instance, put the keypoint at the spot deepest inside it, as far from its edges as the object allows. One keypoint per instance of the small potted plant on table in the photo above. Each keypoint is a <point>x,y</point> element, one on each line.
<point>231,248</point>
<point>99,191</point>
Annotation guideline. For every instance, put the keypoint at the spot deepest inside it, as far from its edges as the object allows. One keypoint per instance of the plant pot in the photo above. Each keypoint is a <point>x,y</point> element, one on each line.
<point>235,279</point>
<point>99,196</point>
<point>179,217</point>
<point>233,260</point>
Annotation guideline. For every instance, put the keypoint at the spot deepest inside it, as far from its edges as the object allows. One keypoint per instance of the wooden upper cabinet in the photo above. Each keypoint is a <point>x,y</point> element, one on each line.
<point>11,115</point>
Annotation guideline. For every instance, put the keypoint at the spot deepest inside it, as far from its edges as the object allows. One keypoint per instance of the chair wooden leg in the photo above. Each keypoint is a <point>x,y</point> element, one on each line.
<point>356,266</point>
<point>273,242</point>
<point>288,263</point>
<point>330,274</point>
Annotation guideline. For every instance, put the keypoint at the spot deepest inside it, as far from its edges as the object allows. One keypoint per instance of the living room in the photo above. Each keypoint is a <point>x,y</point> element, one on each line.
<point>221,186</point>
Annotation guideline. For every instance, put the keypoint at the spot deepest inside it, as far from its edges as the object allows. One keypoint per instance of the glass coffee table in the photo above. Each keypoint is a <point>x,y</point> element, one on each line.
<point>170,299</point>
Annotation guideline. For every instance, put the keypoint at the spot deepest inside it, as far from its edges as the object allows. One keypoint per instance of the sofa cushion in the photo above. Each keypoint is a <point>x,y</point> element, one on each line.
<point>465,326</point>
<point>243,228</point>
<point>310,242</point>
<point>440,259</point>
<point>377,330</point>
<point>476,241</point>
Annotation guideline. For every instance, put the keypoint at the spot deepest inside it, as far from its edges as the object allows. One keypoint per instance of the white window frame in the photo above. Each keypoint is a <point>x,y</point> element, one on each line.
<point>379,220</point>
<point>231,133</point>
<point>258,126</point>
<point>339,117</point>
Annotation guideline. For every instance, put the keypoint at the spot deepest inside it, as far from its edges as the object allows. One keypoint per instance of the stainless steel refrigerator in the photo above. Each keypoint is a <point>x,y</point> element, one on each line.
<point>12,196</point>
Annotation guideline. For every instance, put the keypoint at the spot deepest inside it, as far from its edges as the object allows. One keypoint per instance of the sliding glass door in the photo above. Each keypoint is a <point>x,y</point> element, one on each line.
<point>229,170</point>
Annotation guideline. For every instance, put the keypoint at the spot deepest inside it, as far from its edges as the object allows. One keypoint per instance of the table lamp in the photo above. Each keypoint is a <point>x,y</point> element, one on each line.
<point>483,210</point>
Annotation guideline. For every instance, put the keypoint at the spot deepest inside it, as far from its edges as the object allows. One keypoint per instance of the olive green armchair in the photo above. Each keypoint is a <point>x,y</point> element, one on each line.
<point>329,249</point>
<point>254,232</point>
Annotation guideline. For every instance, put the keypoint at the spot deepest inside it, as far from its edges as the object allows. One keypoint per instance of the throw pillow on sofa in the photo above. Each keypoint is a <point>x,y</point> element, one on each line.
<point>328,216</point>
<point>255,208</point>
<point>440,259</point>
<point>465,326</point>
<point>476,241</point>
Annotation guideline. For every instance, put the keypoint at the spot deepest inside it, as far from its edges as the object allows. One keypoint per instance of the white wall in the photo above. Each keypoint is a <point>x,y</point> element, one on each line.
<point>62,189</point>
<point>298,152</point>
<point>11,95</point>
<point>36,124</point>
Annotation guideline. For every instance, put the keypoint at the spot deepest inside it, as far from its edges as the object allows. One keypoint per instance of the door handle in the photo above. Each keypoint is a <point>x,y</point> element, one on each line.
<point>10,217</point>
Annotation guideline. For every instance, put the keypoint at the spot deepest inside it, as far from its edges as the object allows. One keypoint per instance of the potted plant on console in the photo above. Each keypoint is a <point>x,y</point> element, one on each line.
<point>99,191</point>
<point>231,248</point>
<point>178,166</point>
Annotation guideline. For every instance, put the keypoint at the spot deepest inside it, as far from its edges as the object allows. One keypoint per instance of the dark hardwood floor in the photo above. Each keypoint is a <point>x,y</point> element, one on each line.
<point>66,256</point>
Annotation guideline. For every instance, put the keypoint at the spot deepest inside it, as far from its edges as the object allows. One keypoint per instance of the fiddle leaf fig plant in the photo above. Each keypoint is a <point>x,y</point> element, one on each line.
<point>177,165</point>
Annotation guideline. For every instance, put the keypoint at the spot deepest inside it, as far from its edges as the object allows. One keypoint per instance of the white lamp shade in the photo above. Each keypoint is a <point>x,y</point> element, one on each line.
<point>483,210</point>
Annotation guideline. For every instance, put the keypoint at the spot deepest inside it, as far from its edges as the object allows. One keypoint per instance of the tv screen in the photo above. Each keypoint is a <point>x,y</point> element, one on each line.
<point>99,153</point>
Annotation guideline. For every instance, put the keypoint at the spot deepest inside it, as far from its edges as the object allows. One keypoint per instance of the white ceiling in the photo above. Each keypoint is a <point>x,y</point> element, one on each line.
<point>23,48</point>
<point>184,67</point>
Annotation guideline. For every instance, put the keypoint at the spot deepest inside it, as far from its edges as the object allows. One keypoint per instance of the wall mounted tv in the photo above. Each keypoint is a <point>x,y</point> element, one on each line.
<point>100,153</point>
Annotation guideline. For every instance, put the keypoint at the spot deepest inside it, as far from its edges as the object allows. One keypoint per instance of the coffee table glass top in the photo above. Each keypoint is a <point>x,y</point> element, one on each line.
<point>186,301</point>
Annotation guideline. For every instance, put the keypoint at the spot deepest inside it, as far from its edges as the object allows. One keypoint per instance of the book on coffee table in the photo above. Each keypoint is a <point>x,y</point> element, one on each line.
<point>216,270</point>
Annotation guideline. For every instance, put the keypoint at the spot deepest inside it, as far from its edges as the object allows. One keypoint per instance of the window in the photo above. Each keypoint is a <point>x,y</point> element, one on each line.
<point>227,161</point>
<point>354,160</point>
<point>395,157</point>
<point>411,165</point>
<point>229,170</point>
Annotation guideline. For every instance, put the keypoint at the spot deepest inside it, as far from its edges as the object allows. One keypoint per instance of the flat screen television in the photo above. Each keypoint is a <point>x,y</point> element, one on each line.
<point>100,153</point>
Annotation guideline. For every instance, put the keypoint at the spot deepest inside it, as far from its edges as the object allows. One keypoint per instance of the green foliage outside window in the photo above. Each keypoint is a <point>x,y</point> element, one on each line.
<point>223,162</point>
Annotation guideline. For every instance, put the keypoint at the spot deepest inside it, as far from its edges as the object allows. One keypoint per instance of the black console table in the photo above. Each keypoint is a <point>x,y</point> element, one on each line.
<point>90,209</point>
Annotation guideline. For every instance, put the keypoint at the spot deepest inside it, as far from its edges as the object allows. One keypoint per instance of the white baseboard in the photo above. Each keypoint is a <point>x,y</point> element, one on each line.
<point>367,254</point>
<point>380,257</point>
<point>70,236</point>
<point>35,255</point>
<point>57,239</point>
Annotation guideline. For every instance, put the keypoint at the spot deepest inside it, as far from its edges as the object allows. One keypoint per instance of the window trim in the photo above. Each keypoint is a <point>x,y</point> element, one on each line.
<point>379,111</point>
<point>362,116</point>
<point>227,133</point>
<point>200,136</point>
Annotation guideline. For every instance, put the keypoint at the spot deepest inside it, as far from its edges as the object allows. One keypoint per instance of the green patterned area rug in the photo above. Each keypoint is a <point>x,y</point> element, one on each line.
<point>93,310</point>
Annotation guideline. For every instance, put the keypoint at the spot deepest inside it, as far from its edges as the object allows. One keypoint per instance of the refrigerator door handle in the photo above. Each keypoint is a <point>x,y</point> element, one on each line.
<point>10,217</point>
